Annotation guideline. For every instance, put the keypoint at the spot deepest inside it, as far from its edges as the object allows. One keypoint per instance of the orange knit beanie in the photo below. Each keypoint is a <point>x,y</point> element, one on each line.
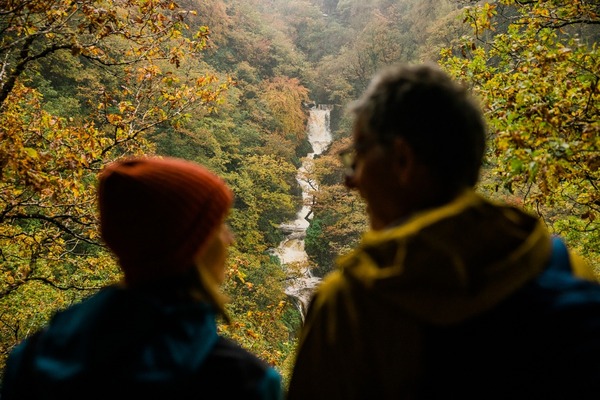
<point>157,213</point>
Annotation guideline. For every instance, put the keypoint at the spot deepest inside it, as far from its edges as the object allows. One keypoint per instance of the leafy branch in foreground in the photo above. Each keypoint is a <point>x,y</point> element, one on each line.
<point>539,86</point>
<point>131,67</point>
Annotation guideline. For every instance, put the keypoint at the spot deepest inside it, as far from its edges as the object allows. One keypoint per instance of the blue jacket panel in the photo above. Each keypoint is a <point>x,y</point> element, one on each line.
<point>131,342</point>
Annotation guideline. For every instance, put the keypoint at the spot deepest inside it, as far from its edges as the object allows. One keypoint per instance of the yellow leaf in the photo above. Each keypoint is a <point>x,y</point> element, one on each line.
<point>31,152</point>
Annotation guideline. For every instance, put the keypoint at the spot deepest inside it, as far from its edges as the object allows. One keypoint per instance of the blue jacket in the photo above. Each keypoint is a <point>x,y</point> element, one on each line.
<point>123,342</point>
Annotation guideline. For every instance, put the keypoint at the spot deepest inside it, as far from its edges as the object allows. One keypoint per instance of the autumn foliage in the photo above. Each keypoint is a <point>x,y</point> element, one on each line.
<point>51,254</point>
<point>538,78</point>
<point>226,84</point>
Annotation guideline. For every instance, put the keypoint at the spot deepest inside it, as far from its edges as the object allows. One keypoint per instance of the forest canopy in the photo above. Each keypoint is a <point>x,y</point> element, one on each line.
<point>229,84</point>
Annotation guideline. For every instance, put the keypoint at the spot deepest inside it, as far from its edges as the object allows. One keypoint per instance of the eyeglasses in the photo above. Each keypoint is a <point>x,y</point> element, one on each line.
<point>349,154</point>
<point>348,158</point>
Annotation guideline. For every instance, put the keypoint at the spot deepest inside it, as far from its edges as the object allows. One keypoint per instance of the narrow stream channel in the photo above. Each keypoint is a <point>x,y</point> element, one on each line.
<point>291,251</point>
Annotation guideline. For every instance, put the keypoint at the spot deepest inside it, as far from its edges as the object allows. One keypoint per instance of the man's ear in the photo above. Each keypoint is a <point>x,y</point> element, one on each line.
<point>404,163</point>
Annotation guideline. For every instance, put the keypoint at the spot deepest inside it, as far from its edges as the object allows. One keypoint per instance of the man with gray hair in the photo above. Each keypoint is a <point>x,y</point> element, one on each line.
<point>448,295</point>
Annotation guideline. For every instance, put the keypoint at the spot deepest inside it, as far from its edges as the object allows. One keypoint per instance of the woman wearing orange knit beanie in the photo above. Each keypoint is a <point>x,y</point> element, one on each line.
<point>154,337</point>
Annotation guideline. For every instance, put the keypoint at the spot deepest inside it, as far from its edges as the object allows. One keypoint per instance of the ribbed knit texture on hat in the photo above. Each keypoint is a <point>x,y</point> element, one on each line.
<point>157,213</point>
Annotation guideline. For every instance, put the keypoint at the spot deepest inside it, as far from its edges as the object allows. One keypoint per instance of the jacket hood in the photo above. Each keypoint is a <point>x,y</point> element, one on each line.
<point>134,335</point>
<point>447,264</point>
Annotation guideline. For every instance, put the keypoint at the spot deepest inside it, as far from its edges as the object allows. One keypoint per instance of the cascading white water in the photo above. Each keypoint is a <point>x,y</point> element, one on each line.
<point>291,250</point>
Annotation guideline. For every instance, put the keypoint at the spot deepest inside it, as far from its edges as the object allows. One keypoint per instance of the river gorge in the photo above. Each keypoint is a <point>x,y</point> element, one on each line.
<point>291,250</point>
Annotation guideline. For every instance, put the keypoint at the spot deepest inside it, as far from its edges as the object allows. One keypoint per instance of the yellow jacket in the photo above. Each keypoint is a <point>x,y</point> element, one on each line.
<point>363,338</point>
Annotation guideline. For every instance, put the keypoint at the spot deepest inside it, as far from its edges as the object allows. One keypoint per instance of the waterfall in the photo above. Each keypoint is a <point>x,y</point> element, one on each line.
<point>291,250</point>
